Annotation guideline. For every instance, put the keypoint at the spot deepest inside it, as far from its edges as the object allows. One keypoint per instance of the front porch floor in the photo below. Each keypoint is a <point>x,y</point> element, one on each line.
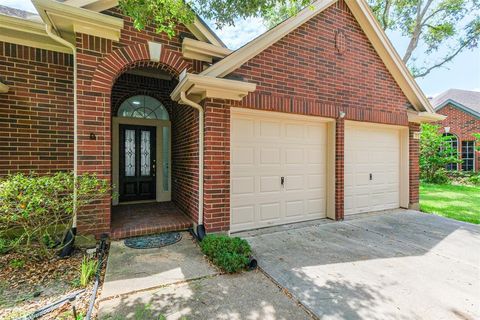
<point>130,220</point>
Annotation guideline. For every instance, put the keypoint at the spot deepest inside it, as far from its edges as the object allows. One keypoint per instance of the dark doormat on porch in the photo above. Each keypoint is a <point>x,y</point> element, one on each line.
<point>153,241</point>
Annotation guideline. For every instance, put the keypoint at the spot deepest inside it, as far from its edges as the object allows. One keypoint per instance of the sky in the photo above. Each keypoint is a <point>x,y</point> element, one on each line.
<point>461,73</point>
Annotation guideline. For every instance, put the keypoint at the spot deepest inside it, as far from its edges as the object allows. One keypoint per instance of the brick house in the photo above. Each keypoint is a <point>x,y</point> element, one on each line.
<point>462,109</point>
<point>316,118</point>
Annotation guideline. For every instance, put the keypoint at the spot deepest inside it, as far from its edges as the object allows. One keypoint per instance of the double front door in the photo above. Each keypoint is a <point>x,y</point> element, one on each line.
<point>137,163</point>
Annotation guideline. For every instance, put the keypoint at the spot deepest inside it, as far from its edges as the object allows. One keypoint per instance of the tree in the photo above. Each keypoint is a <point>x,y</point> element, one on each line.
<point>430,25</point>
<point>477,142</point>
<point>436,153</point>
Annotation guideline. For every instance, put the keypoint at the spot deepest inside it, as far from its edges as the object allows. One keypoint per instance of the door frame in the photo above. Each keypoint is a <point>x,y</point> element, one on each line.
<point>161,196</point>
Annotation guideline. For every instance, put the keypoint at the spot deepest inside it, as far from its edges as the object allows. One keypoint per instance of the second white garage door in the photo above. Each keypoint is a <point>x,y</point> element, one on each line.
<point>372,168</point>
<point>278,169</point>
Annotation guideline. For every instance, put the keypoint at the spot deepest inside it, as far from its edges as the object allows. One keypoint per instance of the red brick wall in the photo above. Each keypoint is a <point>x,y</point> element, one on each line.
<point>305,73</point>
<point>217,165</point>
<point>36,115</point>
<point>462,125</point>
<point>414,173</point>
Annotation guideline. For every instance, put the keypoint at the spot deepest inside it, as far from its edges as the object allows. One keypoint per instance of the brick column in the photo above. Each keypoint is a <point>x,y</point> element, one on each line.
<point>217,166</point>
<point>339,168</point>
<point>414,169</point>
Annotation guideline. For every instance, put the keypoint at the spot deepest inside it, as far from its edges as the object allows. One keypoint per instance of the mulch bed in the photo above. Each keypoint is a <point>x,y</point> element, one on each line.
<point>25,289</point>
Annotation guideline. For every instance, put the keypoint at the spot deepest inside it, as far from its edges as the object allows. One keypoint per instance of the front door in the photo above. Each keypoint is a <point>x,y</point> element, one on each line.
<point>137,163</point>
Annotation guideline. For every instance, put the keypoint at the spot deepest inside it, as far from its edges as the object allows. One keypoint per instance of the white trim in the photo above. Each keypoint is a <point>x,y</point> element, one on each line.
<point>155,50</point>
<point>28,33</point>
<point>202,51</point>
<point>422,117</point>
<point>68,20</point>
<point>161,196</point>
<point>198,87</point>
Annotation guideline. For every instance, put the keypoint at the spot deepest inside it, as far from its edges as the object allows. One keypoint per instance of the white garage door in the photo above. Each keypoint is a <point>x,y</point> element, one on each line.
<point>372,168</point>
<point>265,147</point>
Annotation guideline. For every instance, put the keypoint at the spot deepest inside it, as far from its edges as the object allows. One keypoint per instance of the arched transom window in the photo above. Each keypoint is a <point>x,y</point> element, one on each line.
<point>144,107</point>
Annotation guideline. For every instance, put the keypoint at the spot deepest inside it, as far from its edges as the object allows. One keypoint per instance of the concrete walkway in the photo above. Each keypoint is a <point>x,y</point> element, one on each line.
<point>177,281</point>
<point>396,265</point>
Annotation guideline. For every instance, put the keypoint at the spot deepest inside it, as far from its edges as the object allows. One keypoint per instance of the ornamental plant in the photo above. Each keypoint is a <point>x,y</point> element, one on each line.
<point>436,153</point>
<point>231,254</point>
<point>36,210</point>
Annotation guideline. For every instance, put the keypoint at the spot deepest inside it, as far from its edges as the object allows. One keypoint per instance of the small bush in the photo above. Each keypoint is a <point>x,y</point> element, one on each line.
<point>474,179</point>
<point>440,177</point>
<point>87,271</point>
<point>35,210</point>
<point>230,254</point>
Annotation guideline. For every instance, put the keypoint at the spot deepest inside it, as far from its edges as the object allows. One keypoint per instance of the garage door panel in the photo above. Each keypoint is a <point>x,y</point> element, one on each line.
<point>269,184</point>
<point>294,208</point>
<point>243,129</point>
<point>243,214</point>
<point>279,147</point>
<point>269,211</point>
<point>269,129</point>
<point>270,156</point>
<point>371,150</point>
<point>243,185</point>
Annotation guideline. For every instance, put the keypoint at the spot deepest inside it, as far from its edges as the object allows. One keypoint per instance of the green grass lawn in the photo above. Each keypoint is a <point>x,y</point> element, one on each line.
<point>451,201</point>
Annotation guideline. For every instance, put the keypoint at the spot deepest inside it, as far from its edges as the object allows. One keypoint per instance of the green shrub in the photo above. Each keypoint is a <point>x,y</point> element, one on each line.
<point>35,210</point>
<point>436,153</point>
<point>230,254</point>
<point>87,271</point>
<point>474,179</point>
<point>440,177</point>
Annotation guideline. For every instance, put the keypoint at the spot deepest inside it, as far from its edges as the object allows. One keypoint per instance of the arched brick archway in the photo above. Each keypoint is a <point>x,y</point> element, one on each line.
<point>94,123</point>
<point>120,60</point>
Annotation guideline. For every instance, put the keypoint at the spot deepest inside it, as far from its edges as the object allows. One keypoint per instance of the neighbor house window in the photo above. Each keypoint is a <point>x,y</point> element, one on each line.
<point>144,107</point>
<point>453,140</point>
<point>468,155</point>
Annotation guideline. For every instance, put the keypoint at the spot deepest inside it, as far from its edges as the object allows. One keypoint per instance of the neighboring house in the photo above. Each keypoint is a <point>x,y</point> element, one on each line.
<point>316,118</point>
<point>462,109</point>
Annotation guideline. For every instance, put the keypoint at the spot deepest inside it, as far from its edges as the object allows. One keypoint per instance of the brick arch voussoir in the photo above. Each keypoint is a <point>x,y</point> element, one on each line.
<point>117,62</point>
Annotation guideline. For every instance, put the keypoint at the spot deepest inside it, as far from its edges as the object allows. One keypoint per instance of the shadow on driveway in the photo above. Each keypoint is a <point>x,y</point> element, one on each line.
<point>394,265</point>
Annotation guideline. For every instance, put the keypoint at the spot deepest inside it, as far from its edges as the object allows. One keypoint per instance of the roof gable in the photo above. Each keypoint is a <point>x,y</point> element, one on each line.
<point>369,25</point>
<point>464,98</point>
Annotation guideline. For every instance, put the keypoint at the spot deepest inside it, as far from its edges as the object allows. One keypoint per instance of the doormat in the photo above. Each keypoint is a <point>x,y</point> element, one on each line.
<point>153,241</point>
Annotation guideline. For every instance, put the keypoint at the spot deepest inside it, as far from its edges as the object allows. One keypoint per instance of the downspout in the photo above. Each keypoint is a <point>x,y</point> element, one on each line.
<point>70,237</point>
<point>185,100</point>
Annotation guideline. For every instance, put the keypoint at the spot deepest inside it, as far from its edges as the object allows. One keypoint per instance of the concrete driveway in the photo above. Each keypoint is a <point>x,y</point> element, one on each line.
<point>392,265</point>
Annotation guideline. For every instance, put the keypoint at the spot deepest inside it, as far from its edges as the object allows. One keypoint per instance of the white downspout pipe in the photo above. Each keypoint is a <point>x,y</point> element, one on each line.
<point>51,34</point>
<point>185,100</point>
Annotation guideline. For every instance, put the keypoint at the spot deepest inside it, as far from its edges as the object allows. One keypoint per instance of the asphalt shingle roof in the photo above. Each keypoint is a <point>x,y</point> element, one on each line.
<point>469,99</point>
<point>12,12</point>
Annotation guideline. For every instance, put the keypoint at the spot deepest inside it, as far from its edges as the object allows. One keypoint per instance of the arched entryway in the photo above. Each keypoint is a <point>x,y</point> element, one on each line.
<point>154,154</point>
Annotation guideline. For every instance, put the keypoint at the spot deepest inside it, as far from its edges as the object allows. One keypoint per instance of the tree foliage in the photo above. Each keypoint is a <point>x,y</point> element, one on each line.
<point>436,153</point>
<point>431,26</point>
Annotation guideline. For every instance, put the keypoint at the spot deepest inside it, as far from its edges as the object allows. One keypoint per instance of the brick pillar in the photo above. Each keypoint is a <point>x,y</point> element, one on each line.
<point>217,166</point>
<point>339,168</point>
<point>414,176</point>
